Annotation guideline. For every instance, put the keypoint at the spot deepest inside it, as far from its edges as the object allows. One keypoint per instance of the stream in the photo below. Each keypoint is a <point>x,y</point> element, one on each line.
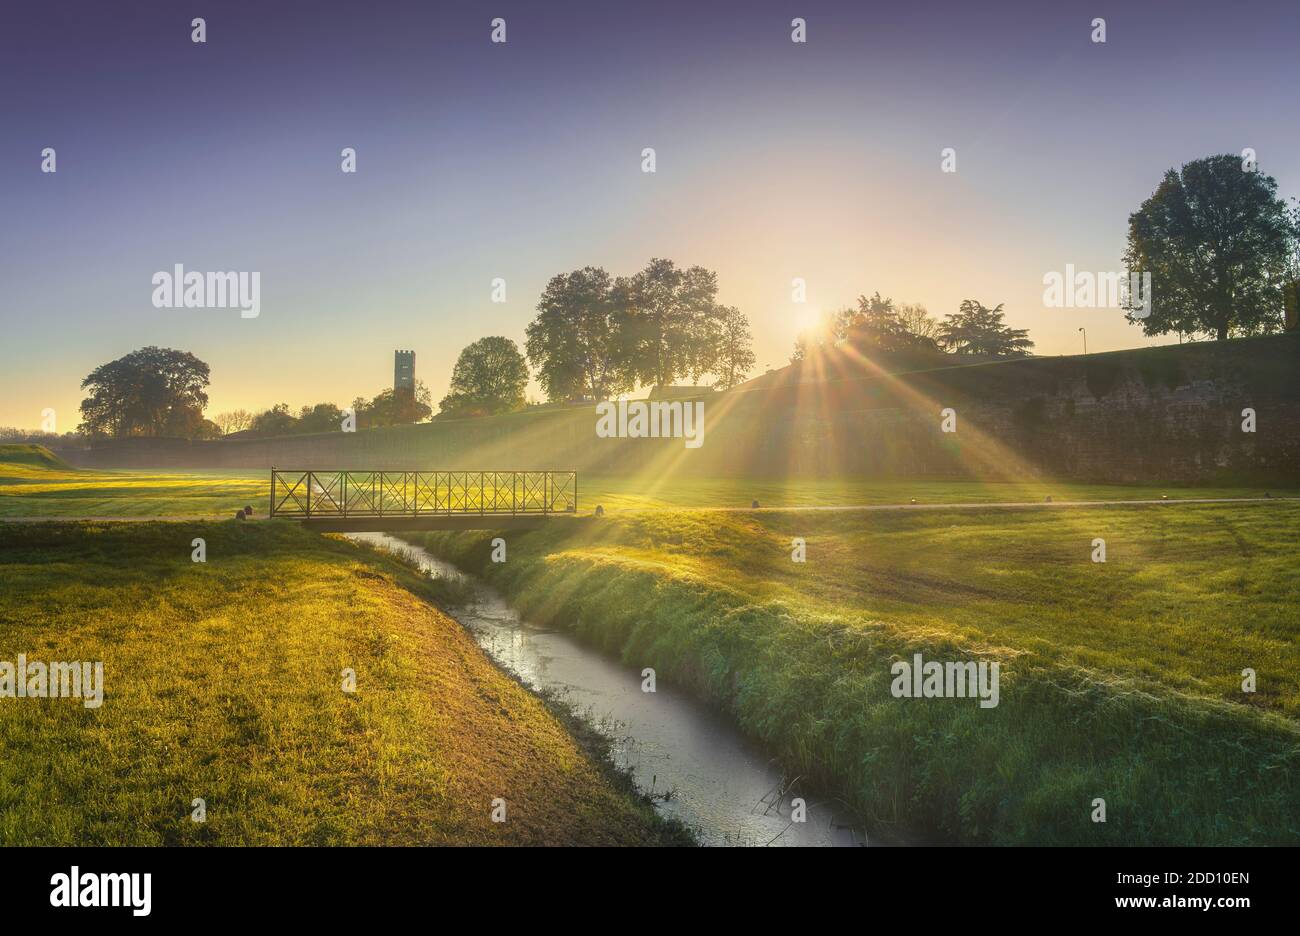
<point>690,760</point>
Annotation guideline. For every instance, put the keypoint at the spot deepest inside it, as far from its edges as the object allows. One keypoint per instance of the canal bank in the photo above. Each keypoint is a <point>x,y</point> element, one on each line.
<point>690,760</point>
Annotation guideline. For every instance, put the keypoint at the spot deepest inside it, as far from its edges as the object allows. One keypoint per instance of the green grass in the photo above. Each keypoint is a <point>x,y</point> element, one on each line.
<point>32,456</point>
<point>223,680</point>
<point>1119,680</point>
<point>28,490</point>
<point>732,493</point>
<point>34,488</point>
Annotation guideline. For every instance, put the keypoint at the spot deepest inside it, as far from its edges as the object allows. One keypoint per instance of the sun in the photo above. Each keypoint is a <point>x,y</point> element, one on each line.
<point>808,318</point>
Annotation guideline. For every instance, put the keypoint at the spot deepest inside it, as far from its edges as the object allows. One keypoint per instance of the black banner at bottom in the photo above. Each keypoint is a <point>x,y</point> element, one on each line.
<point>143,886</point>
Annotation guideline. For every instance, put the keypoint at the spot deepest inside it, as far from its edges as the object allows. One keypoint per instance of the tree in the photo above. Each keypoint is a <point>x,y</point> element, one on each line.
<point>876,325</point>
<point>706,330</point>
<point>874,322</point>
<point>234,421</point>
<point>1291,290</point>
<point>735,357</point>
<point>576,342</point>
<point>669,322</point>
<point>359,406</point>
<point>276,421</point>
<point>150,392</point>
<point>206,429</point>
<point>489,378</point>
<point>323,417</point>
<point>1219,245</point>
<point>398,406</point>
<point>976,329</point>
<point>921,324</point>
<point>880,324</point>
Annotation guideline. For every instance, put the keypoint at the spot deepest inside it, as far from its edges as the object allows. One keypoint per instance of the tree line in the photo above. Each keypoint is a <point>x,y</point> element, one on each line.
<point>162,393</point>
<point>393,407</point>
<point>596,336</point>
<point>878,324</point>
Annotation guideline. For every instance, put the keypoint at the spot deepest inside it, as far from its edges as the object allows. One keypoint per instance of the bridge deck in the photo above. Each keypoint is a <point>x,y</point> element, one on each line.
<point>429,522</point>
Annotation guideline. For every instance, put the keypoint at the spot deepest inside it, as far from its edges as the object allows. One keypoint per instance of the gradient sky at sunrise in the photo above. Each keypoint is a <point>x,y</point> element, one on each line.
<point>522,160</point>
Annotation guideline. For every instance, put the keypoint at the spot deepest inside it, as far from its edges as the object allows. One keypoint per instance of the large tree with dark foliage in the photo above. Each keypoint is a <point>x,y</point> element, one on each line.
<point>594,338</point>
<point>577,342</point>
<point>1220,247</point>
<point>489,378</point>
<point>397,406</point>
<point>671,322</point>
<point>153,392</point>
<point>878,325</point>
<point>277,421</point>
<point>977,329</point>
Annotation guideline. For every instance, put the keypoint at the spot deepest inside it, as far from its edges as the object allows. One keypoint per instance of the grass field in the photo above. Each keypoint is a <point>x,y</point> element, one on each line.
<point>223,681</point>
<point>33,487</point>
<point>59,490</point>
<point>730,493</point>
<point>1120,680</point>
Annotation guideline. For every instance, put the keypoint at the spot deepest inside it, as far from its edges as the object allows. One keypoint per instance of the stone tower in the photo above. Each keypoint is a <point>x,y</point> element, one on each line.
<point>404,370</point>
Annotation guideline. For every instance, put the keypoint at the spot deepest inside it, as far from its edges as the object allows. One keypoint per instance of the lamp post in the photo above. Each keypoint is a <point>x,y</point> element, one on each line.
<point>1085,339</point>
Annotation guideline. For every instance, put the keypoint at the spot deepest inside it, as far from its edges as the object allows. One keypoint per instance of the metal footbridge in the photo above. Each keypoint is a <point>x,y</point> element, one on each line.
<point>396,501</point>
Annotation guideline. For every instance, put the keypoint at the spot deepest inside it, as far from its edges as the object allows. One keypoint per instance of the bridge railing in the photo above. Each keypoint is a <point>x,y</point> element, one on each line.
<point>307,494</point>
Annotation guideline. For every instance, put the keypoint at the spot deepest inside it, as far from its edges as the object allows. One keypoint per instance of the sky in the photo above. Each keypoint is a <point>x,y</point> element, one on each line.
<point>520,160</point>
